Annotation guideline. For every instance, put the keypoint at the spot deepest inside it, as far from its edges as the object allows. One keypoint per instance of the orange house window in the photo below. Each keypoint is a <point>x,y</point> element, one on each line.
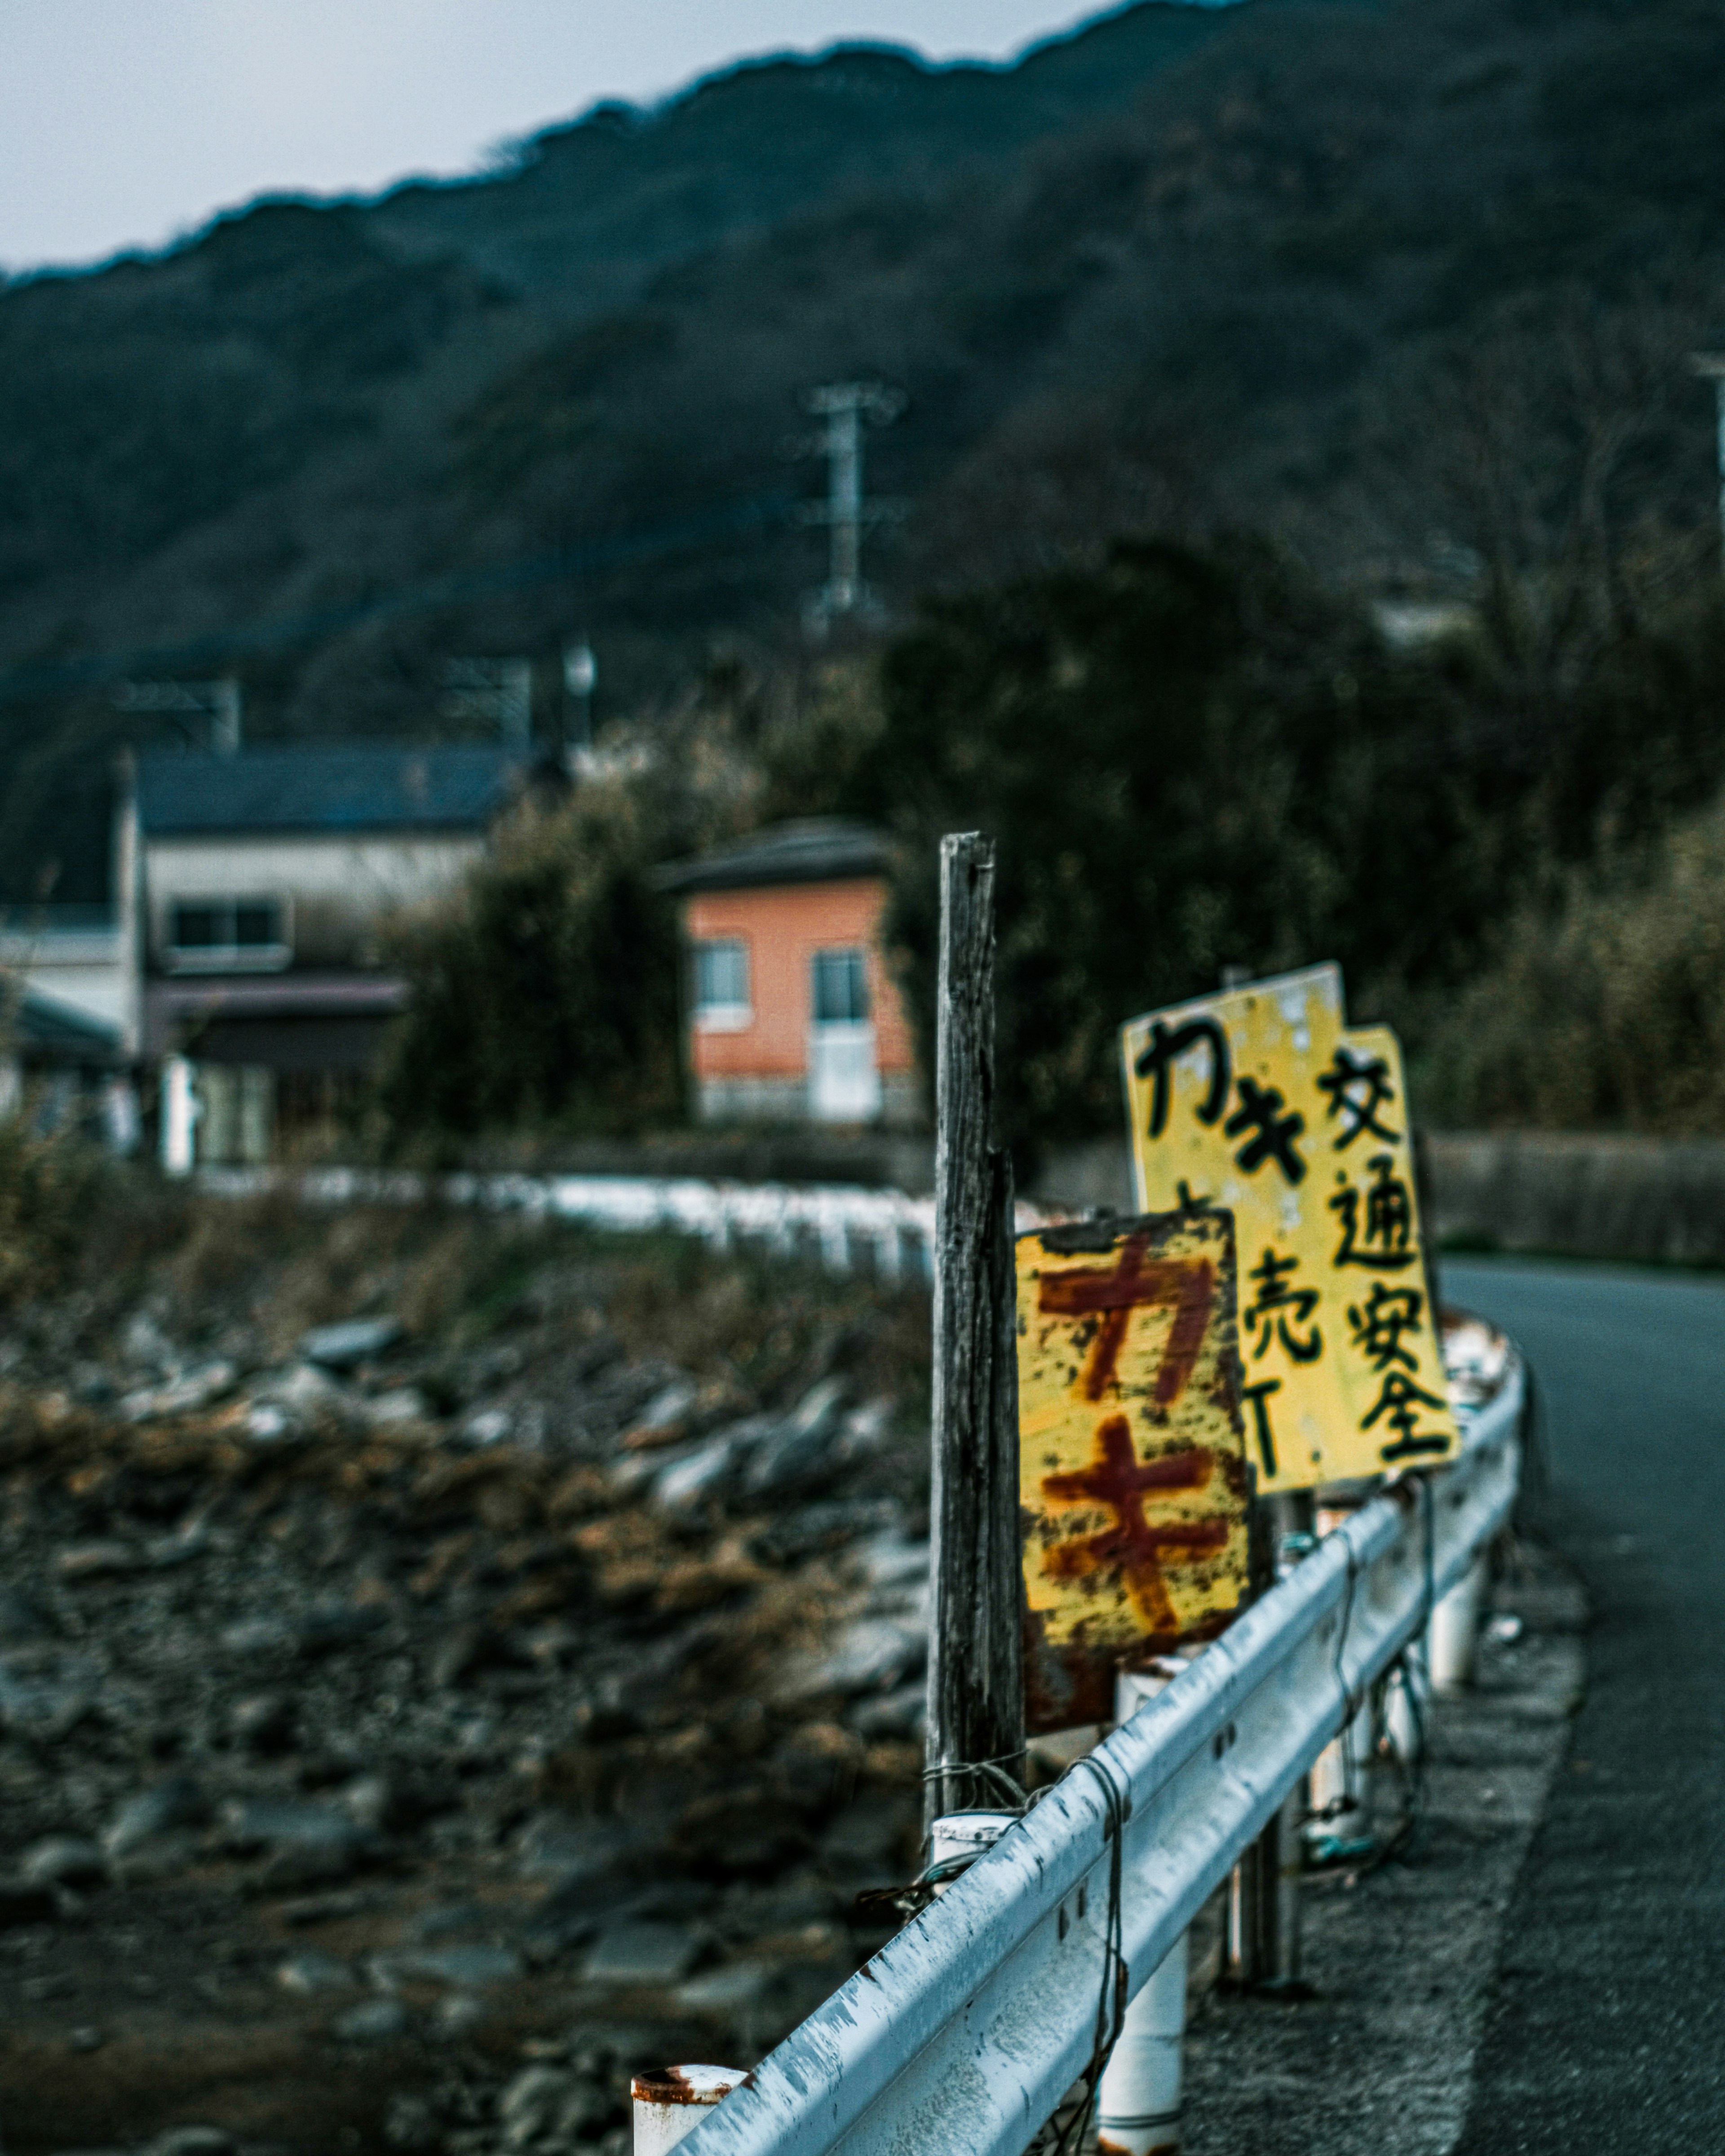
<point>721,985</point>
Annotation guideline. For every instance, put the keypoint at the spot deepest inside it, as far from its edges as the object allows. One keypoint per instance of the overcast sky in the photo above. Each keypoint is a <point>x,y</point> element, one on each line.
<point>124,122</point>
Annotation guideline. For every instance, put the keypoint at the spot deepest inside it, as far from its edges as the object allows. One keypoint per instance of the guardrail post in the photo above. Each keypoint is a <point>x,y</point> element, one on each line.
<point>1263,1944</point>
<point>976,1679</point>
<point>669,2101</point>
<point>1452,1639</point>
<point>1138,2098</point>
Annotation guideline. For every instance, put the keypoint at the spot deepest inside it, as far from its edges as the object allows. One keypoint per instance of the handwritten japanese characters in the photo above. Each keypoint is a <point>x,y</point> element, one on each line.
<point>1133,1483</point>
<point>1262,1101</point>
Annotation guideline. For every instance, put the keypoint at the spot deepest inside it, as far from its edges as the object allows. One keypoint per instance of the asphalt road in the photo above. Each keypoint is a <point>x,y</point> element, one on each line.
<point>1607,2028</point>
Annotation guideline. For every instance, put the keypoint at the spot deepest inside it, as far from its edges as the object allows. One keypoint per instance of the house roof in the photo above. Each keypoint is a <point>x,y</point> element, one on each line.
<point>44,1029</point>
<point>811,849</point>
<point>375,788</point>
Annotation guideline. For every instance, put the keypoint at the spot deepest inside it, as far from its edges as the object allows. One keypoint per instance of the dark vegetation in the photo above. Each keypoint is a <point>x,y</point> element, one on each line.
<point>1318,306</point>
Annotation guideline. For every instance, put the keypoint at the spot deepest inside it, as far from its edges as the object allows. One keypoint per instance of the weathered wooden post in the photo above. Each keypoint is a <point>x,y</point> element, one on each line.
<point>976,1684</point>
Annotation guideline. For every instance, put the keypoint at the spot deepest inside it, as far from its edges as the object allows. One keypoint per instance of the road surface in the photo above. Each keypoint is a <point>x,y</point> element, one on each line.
<point>1607,2029</point>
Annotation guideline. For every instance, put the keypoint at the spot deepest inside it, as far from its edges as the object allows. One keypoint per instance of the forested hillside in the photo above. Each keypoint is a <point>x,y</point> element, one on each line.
<point>1409,289</point>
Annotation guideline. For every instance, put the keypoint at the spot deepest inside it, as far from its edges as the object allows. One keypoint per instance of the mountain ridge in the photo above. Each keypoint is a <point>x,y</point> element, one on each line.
<point>1207,294</point>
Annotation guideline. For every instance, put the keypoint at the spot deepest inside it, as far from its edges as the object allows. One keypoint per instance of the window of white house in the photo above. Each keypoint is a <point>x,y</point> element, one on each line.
<point>721,985</point>
<point>227,935</point>
<point>841,987</point>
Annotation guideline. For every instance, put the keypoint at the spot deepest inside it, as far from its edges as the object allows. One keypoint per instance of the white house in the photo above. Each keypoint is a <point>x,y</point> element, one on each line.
<point>254,891</point>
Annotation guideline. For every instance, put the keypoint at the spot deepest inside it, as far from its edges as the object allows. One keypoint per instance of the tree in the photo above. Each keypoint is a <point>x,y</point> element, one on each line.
<point>544,991</point>
<point>1187,761</point>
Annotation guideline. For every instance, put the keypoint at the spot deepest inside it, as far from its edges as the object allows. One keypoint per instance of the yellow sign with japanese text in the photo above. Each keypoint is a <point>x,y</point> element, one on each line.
<point>1132,1482</point>
<point>1262,1101</point>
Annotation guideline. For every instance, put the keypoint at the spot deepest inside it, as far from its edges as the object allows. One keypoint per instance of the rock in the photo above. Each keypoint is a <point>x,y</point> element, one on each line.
<point>460,2014</point>
<point>799,1455</point>
<point>103,1560</point>
<point>489,1426</point>
<point>26,1902</point>
<point>550,2104</point>
<point>642,1954</point>
<point>163,1857</point>
<point>268,1422</point>
<point>891,1561</point>
<point>183,1395</point>
<point>46,1709</point>
<point>304,1393</point>
<point>873,1835</point>
<point>20,1620</point>
<point>64,1860</point>
<point>192,2141</point>
<point>345,1346</point>
<point>411,2124</point>
<point>177,1802</point>
<point>468,1648</point>
<point>254,1636</point>
<point>471,1966</point>
<point>873,1654</point>
<point>86,2039</point>
<point>695,1477</point>
<point>312,1971</point>
<point>378,2021</point>
<point>899,1714</point>
<point>260,1822</point>
<point>573,1852</point>
<point>731,1989</point>
<point>263,1723</point>
<point>146,1346</point>
<point>405,1403</point>
<point>329,1626</point>
<point>663,1419</point>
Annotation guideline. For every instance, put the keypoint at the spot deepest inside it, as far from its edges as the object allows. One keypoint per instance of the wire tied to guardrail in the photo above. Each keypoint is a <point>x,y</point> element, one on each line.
<point>1111,2000</point>
<point>987,1771</point>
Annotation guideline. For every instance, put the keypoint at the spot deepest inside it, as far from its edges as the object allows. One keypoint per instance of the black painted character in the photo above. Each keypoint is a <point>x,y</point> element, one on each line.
<point>1398,1404</point>
<point>1260,1111</point>
<point>1357,1085</point>
<point>1156,1059</point>
<point>1381,1322</point>
<point>1385,1243</point>
<point>1280,1309</point>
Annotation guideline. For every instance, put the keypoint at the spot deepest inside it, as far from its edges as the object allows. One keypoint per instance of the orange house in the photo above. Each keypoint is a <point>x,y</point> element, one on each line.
<point>792,1013</point>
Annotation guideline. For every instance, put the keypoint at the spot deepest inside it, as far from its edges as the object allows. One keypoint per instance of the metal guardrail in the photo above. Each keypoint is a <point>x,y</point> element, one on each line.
<point>966,2032</point>
<point>835,1220</point>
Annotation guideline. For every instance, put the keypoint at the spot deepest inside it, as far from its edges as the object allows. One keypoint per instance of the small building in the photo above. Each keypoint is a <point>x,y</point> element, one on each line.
<point>68,1066</point>
<point>256,889</point>
<point>792,1015</point>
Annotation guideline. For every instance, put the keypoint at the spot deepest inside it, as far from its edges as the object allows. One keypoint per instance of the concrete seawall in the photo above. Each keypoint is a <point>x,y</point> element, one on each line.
<point>1661,1200</point>
<point>1576,1194</point>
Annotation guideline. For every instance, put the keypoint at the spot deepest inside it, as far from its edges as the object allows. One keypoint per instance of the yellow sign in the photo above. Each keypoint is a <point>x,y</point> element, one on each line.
<point>1261,1101</point>
<point>1133,1485</point>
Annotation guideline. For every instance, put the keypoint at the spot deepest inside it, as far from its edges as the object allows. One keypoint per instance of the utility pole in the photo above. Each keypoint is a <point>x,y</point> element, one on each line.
<point>220,702</point>
<point>847,510</point>
<point>976,1673</point>
<point>499,690</point>
<point>1710,366</point>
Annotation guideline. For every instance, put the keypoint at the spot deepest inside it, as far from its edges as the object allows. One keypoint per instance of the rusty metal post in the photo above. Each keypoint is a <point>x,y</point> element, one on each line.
<point>669,2101</point>
<point>976,1682</point>
<point>1263,1945</point>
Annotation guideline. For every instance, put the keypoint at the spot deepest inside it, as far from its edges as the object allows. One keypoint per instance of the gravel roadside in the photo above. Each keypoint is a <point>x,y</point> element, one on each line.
<point>1402,1960</point>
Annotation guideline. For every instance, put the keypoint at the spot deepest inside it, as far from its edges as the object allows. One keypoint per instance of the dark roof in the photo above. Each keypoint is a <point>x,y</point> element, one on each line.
<point>373,789</point>
<point>45,1030</point>
<point>812,849</point>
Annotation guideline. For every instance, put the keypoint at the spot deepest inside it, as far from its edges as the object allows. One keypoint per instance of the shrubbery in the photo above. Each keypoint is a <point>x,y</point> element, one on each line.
<point>544,991</point>
<point>1602,1007</point>
<point>48,1186</point>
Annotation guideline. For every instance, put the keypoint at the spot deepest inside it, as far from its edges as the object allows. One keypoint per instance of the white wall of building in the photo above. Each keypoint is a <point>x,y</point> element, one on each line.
<point>339,889</point>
